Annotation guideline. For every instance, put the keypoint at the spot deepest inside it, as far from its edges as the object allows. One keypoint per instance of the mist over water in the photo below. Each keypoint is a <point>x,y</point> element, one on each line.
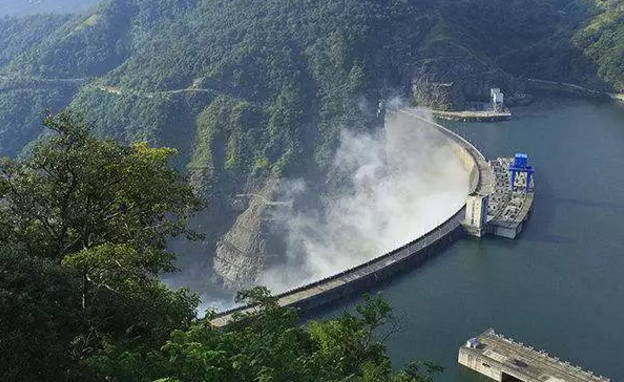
<point>403,182</point>
<point>399,184</point>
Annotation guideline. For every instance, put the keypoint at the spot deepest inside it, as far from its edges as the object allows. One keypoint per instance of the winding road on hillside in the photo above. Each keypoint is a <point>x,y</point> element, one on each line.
<point>41,79</point>
<point>115,90</point>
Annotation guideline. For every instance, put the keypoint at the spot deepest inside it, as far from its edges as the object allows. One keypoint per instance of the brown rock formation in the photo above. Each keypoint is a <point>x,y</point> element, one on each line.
<point>241,253</point>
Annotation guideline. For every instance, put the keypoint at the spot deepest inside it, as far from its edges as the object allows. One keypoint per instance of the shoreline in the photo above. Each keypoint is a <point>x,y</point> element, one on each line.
<point>573,89</point>
<point>531,85</point>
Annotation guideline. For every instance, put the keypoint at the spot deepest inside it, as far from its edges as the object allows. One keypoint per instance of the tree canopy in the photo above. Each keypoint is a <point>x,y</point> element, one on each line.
<point>270,344</point>
<point>89,220</point>
<point>84,224</point>
<point>75,192</point>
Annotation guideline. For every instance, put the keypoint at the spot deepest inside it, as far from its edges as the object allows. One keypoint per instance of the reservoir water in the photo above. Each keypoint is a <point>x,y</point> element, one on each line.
<point>560,286</point>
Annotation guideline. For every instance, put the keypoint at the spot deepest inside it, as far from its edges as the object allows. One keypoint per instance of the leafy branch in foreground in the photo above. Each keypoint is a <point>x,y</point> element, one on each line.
<point>91,218</point>
<point>269,344</point>
<point>75,192</point>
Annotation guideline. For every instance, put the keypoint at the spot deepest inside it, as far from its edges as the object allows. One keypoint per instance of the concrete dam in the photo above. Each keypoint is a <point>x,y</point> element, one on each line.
<point>504,216</point>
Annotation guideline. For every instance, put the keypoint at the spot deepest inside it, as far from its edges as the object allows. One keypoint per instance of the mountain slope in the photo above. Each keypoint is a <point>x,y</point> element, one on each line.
<point>602,40</point>
<point>25,7</point>
<point>256,92</point>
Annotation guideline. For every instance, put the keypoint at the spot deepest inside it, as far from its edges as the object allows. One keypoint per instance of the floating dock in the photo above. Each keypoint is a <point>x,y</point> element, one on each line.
<point>505,360</point>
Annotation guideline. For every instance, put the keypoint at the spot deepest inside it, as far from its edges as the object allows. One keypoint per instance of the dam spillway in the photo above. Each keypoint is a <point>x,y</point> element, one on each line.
<point>482,184</point>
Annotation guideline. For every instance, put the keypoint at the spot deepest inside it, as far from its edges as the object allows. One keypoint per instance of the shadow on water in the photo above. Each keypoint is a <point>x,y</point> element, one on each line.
<point>551,239</point>
<point>349,302</point>
<point>545,205</point>
<point>468,375</point>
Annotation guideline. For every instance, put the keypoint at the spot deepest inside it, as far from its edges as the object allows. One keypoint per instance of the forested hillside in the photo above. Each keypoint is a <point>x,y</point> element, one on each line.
<point>255,92</point>
<point>31,7</point>
<point>251,96</point>
<point>602,40</point>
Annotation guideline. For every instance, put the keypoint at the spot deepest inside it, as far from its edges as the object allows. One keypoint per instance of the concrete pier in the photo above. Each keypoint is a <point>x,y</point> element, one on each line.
<point>505,360</point>
<point>474,116</point>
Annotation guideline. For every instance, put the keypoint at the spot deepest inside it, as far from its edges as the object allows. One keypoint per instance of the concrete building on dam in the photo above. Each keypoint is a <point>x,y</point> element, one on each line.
<point>505,201</point>
<point>505,360</point>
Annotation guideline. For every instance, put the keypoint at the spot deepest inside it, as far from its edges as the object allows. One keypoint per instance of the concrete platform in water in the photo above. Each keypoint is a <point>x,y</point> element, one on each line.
<point>505,360</point>
<point>473,116</point>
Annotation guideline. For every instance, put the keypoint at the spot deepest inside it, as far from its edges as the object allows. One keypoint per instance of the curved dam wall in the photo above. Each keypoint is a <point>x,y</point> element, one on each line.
<point>365,275</point>
<point>481,176</point>
<point>471,158</point>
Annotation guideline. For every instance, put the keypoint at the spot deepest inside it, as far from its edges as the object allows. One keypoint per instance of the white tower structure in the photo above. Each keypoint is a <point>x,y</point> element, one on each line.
<point>497,99</point>
<point>475,220</point>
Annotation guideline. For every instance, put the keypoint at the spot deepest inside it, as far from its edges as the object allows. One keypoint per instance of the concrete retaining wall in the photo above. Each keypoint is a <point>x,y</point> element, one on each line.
<point>401,259</point>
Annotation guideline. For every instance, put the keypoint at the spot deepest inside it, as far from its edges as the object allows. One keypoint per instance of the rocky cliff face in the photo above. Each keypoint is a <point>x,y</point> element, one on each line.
<point>241,254</point>
<point>451,76</point>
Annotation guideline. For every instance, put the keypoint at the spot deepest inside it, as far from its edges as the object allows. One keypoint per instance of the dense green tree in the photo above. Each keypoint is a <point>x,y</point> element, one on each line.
<point>270,344</point>
<point>75,192</point>
<point>602,40</point>
<point>34,7</point>
<point>92,217</point>
<point>19,34</point>
<point>40,316</point>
